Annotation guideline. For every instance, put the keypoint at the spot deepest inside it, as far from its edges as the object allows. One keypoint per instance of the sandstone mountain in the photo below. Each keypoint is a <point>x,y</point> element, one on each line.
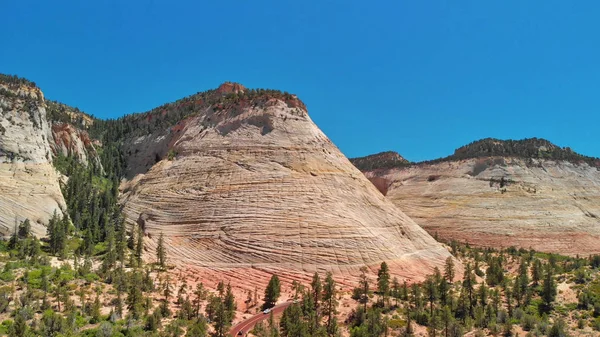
<point>29,187</point>
<point>239,178</point>
<point>529,193</point>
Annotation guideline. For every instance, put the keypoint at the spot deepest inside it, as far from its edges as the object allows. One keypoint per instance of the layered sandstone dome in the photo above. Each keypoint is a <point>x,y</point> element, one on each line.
<point>258,185</point>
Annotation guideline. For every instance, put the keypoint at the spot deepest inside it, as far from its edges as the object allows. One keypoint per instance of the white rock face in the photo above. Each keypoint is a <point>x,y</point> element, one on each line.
<point>545,205</point>
<point>29,185</point>
<point>267,190</point>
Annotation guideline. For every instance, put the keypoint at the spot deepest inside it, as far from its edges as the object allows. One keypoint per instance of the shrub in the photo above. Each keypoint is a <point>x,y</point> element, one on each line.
<point>596,324</point>
<point>172,154</point>
<point>558,329</point>
<point>528,322</point>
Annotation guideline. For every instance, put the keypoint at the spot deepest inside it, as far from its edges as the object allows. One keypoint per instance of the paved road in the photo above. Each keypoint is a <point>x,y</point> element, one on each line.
<point>249,323</point>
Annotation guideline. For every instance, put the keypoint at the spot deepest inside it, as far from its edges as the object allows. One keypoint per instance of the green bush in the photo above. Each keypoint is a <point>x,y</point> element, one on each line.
<point>172,154</point>
<point>7,276</point>
<point>396,323</point>
<point>528,322</point>
<point>596,324</point>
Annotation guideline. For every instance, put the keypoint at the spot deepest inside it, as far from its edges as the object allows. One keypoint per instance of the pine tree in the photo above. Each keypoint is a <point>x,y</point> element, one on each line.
<point>199,295</point>
<point>161,253</point>
<point>272,292</point>
<point>396,290</point>
<point>548,288</point>
<point>19,327</point>
<point>361,293</point>
<point>330,304</point>
<point>25,229</point>
<point>447,319</point>
<point>431,293</point>
<point>449,270</point>
<point>433,325</point>
<point>468,286</point>
<point>383,282</point>
<point>198,329</point>
<point>229,304</point>
<point>134,298</point>
<point>483,294</point>
<point>536,272</point>
<point>139,246</point>
<point>96,309</point>
<point>316,289</point>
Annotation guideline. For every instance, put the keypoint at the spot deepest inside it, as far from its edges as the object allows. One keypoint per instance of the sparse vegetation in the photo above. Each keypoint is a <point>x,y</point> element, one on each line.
<point>530,149</point>
<point>383,160</point>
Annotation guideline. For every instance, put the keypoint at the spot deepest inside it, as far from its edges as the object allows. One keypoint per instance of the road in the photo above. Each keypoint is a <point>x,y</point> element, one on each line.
<point>249,323</point>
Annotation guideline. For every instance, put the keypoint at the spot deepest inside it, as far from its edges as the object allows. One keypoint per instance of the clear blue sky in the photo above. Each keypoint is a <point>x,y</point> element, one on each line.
<point>417,77</point>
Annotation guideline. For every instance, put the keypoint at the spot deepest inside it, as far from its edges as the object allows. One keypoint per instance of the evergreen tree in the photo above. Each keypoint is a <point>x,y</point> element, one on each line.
<point>199,296</point>
<point>292,323</point>
<point>19,327</point>
<point>447,320</point>
<point>134,298</point>
<point>383,282</point>
<point>536,272</point>
<point>330,304</point>
<point>229,304</point>
<point>361,293</point>
<point>449,270</point>
<point>548,288</point>
<point>25,229</point>
<point>431,292</point>
<point>316,289</point>
<point>198,329</point>
<point>161,252</point>
<point>468,287</point>
<point>272,292</point>
<point>396,290</point>
<point>139,246</point>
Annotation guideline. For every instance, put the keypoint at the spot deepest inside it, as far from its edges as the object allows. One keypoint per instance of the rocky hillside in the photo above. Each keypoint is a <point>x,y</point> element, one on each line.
<point>29,185</point>
<point>529,149</point>
<point>382,160</point>
<point>239,178</point>
<point>70,136</point>
<point>528,193</point>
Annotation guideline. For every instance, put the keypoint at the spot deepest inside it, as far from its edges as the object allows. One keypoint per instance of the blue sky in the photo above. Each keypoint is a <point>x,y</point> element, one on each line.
<point>418,77</point>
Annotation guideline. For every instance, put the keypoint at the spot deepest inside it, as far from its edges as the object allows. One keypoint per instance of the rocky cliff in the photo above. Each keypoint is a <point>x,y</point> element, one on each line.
<point>531,200</point>
<point>70,137</point>
<point>246,180</point>
<point>29,185</point>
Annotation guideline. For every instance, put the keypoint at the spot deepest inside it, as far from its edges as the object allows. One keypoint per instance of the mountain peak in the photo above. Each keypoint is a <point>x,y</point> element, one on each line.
<point>381,160</point>
<point>231,88</point>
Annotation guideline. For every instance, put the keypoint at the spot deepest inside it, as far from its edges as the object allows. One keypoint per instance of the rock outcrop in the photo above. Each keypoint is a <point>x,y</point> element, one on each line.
<point>29,187</point>
<point>545,204</point>
<point>68,141</point>
<point>376,161</point>
<point>70,137</point>
<point>249,182</point>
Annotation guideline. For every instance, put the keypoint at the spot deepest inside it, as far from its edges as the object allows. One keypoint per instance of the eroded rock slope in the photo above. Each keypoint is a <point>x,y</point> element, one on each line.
<point>547,204</point>
<point>249,181</point>
<point>70,137</point>
<point>29,184</point>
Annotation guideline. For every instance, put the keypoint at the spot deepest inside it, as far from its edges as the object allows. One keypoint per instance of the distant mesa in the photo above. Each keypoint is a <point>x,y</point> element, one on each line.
<point>528,193</point>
